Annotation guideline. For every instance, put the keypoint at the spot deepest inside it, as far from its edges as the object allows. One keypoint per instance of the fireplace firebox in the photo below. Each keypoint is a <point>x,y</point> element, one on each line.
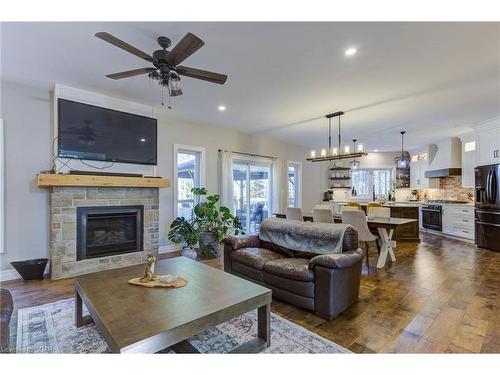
<point>110,230</point>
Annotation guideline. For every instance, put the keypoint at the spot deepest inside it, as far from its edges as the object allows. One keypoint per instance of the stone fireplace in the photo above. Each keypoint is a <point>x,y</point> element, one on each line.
<point>99,228</point>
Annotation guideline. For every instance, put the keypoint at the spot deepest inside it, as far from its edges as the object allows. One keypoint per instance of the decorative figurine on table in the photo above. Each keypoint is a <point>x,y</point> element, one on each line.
<point>150,269</point>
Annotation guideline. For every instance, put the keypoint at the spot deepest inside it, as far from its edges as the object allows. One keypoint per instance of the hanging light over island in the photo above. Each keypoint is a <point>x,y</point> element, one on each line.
<point>334,153</point>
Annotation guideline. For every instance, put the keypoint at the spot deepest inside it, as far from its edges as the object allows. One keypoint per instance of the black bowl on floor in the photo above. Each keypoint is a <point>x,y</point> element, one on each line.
<point>31,269</point>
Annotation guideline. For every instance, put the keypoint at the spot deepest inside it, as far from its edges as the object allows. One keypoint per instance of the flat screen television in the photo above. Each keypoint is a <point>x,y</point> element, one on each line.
<point>94,133</point>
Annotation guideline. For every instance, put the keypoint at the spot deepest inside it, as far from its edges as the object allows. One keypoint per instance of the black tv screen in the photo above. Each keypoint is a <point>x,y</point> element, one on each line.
<point>95,133</point>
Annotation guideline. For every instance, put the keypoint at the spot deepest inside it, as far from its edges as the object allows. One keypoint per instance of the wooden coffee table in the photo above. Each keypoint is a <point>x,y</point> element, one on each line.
<point>139,319</point>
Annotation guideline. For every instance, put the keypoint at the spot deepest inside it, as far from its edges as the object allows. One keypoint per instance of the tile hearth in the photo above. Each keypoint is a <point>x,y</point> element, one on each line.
<point>64,202</point>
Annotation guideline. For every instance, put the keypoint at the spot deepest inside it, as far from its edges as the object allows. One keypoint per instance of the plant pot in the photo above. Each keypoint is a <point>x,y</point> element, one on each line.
<point>32,269</point>
<point>209,245</point>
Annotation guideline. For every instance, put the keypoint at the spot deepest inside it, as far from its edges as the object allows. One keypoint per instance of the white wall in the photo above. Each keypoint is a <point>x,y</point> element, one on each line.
<point>27,120</point>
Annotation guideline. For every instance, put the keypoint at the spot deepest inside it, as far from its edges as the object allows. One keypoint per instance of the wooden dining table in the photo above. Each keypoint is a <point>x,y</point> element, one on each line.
<point>385,228</point>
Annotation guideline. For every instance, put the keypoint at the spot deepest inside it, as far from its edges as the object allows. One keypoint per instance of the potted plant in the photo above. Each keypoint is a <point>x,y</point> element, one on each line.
<point>208,226</point>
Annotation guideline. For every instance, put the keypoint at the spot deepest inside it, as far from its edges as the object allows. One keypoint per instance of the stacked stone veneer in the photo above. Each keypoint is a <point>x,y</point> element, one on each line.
<point>63,204</point>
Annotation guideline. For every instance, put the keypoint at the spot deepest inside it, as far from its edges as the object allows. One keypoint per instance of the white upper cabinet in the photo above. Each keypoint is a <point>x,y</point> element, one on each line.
<point>469,160</point>
<point>488,143</point>
<point>417,173</point>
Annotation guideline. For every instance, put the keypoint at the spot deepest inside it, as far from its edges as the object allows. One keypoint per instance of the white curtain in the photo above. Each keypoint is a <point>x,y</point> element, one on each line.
<point>278,196</point>
<point>226,179</point>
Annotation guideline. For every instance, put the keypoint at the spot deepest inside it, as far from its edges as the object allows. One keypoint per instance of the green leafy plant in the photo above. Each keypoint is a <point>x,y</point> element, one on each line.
<point>209,225</point>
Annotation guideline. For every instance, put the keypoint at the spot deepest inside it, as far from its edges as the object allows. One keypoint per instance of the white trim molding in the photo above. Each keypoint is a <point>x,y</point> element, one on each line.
<point>6,275</point>
<point>297,164</point>
<point>165,249</point>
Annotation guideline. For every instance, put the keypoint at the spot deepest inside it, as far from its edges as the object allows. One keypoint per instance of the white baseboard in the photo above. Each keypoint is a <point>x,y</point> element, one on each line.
<point>168,249</point>
<point>7,275</point>
<point>11,274</point>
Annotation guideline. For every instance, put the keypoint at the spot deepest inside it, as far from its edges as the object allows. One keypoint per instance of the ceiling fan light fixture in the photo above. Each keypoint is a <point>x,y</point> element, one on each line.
<point>174,84</point>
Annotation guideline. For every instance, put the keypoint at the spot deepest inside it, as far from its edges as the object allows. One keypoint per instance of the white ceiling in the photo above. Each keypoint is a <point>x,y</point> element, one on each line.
<point>434,80</point>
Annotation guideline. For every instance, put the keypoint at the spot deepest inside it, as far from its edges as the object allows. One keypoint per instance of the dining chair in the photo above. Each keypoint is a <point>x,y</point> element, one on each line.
<point>354,204</point>
<point>294,213</point>
<point>357,219</point>
<point>379,212</point>
<point>345,208</point>
<point>322,215</point>
<point>372,205</point>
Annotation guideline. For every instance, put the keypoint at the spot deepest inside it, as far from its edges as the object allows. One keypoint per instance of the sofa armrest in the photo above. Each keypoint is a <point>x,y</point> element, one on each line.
<point>342,260</point>
<point>239,242</point>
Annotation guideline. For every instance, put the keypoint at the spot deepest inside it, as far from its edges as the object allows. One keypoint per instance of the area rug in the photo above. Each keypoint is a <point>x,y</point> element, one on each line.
<point>50,329</point>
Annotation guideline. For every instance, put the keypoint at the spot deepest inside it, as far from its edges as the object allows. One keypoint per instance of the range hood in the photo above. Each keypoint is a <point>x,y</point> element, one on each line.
<point>445,158</point>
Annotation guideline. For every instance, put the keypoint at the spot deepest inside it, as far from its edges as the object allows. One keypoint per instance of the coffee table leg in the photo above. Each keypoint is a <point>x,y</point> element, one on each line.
<point>78,310</point>
<point>264,324</point>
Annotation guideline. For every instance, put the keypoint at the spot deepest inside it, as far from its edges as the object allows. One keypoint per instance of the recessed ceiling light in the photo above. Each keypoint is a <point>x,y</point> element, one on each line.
<point>222,108</point>
<point>350,51</point>
<point>376,150</point>
<point>143,139</point>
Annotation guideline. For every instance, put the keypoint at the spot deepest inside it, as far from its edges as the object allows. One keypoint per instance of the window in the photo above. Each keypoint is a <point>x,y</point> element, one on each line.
<point>189,172</point>
<point>251,192</point>
<point>294,185</point>
<point>367,181</point>
<point>470,146</point>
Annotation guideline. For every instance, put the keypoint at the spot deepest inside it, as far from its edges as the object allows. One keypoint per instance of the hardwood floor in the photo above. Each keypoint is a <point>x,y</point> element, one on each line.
<point>441,296</point>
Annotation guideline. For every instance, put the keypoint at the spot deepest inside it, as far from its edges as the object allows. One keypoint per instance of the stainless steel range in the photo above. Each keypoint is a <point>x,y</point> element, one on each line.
<point>431,217</point>
<point>432,213</point>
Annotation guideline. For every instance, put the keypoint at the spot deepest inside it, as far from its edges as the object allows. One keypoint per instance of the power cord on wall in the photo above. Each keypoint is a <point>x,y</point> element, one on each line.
<point>66,163</point>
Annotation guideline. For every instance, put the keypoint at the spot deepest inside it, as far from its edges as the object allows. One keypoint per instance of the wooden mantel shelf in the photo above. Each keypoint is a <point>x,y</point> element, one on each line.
<point>50,179</point>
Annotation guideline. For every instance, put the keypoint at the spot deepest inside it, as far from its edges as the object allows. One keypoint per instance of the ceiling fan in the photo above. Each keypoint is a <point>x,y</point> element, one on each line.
<point>166,69</point>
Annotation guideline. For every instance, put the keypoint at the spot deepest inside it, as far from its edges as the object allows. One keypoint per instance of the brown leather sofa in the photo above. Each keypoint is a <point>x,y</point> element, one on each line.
<point>6,307</point>
<point>326,284</point>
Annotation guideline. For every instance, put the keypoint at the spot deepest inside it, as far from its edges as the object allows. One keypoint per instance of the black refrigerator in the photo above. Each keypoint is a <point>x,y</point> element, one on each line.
<point>487,207</point>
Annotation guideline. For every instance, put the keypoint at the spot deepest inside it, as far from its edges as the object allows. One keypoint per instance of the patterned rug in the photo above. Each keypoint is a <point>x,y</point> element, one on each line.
<point>50,329</point>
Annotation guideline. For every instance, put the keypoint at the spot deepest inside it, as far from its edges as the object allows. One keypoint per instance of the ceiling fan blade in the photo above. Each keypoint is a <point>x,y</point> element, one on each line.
<point>130,73</point>
<point>185,48</point>
<point>201,74</point>
<point>123,45</point>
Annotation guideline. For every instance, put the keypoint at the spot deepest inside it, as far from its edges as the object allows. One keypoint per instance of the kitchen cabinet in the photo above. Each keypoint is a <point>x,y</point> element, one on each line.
<point>417,176</point>
<point>469,160</point>
<point>407,232</point>
<point>488,144</point>
<point>458,221</point>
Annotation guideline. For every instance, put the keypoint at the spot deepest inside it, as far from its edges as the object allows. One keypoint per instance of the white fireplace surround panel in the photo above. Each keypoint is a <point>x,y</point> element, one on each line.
<point>105,101</point>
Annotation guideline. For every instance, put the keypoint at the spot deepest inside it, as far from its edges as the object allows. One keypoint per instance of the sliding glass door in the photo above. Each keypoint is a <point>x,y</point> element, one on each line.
<point>251,192</point>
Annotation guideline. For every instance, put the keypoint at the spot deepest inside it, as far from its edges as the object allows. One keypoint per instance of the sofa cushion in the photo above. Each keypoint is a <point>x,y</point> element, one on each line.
<point>254,257</point>
<point>290,268</point>
<point>301,288</point>
<point>248,273</point>
<point>279,249</point>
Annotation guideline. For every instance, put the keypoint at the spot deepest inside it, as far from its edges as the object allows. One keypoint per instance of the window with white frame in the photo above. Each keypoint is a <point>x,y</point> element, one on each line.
<point>368,181</point>
<point>189,172</point>
<point>293,181</point>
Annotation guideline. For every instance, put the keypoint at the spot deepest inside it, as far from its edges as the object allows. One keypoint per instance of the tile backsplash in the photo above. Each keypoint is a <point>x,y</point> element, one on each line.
<point>449,188</point>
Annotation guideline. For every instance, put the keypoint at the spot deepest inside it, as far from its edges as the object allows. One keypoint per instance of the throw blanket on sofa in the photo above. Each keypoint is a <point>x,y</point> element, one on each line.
<point>319,238</point>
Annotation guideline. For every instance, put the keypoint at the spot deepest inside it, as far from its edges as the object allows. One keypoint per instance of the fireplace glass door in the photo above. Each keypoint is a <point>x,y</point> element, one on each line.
<point>104,231</point>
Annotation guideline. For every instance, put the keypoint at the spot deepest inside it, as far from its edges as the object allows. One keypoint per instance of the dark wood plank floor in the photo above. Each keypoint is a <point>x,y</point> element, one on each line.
<point>441,296</point>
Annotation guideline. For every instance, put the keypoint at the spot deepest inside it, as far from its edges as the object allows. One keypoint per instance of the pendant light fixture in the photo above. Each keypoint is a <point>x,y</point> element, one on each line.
<point>354,163</point>
<point>335,153</point>
<point>403,161</point>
